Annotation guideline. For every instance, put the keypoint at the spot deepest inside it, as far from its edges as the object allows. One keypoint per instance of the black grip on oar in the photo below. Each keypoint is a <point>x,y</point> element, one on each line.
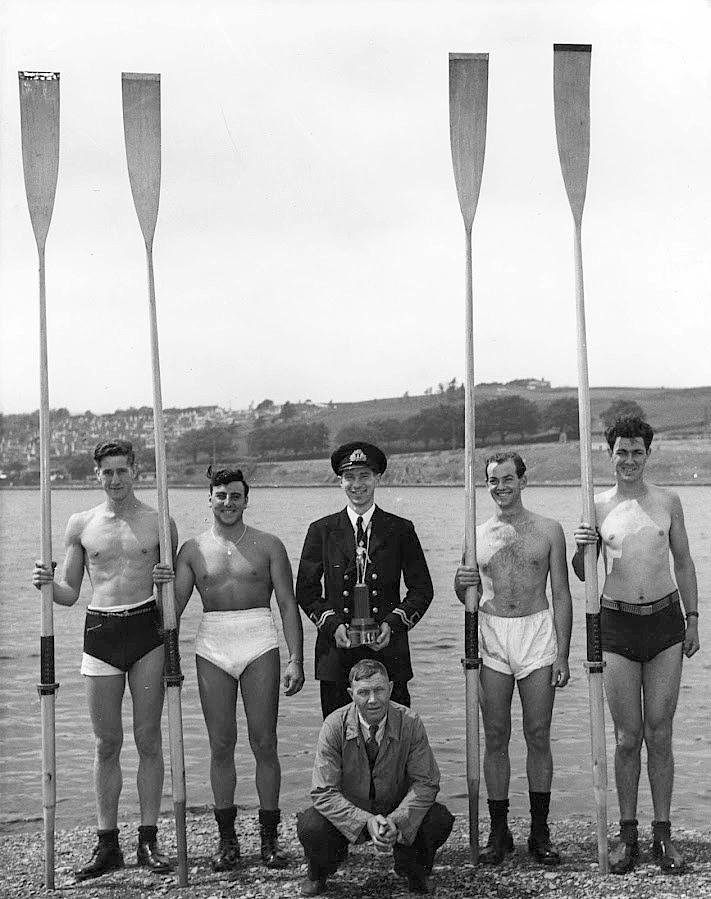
<point>471,641</point>
<point>47,684</point>
<point>593,634</point>
<point>173,676</point>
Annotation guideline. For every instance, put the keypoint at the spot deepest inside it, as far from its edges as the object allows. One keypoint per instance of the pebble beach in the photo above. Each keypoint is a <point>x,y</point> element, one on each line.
<point>366,873</point>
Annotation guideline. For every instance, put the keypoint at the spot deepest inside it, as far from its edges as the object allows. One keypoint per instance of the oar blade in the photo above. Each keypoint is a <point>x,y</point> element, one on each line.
<point>39,127</point>
<point>141,128</point>
<point>571,99</point>
<point>468,93</point>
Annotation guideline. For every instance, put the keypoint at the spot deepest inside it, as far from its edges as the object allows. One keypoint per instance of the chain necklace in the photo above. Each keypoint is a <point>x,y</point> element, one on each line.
<point>228,544</point>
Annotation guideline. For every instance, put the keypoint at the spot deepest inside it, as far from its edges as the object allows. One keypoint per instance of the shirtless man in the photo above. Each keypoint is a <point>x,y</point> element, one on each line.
<point>235,569</point>
<point>643,633</point>
<point>522,640</point>
<point>117,543</point>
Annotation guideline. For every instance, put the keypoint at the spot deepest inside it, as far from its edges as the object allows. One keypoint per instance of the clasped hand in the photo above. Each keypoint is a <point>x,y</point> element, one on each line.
<point>383,832</point>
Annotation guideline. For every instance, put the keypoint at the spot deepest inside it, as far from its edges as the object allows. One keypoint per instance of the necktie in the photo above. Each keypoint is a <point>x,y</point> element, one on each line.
<point>371,745</point>
<point>360,533</point>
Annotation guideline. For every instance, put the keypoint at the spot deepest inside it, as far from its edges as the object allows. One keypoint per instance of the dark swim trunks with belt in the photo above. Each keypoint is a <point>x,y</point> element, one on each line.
<point>639,632</point>
<point>122,638</point>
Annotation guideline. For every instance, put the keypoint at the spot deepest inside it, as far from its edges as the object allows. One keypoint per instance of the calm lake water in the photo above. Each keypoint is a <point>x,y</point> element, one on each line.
<point>437,690</point>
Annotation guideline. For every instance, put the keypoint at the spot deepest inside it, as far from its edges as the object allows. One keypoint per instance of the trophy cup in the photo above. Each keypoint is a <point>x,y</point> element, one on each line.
<point>364,629</point>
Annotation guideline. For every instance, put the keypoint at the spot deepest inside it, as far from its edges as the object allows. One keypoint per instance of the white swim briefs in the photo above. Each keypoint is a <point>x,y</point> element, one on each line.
<point>232,640</point>
<point>517,646</point>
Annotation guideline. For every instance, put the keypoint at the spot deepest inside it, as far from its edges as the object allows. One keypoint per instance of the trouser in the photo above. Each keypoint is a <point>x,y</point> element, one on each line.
<point>335,695</point>
<point>325,846</point>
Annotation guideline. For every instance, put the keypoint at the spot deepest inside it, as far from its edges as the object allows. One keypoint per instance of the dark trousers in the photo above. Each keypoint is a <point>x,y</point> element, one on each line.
<point>335,695</point>
<point>325,846</point>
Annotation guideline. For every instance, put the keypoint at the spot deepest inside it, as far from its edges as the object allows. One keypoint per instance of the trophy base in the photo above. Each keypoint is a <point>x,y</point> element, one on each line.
<point>363,633</point>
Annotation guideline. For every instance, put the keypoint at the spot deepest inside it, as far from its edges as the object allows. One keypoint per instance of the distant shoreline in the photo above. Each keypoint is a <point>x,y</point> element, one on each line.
<point>254,486</point>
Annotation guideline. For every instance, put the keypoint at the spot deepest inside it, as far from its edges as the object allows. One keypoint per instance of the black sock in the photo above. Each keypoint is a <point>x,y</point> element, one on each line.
<point>147,833</point>
<point>225,818</point>
<point>661,830</point>
<point>540,806</point>
<point>498,812</point>
<point>109,837</point>
<point>628,831</point>
<point>270,817</point>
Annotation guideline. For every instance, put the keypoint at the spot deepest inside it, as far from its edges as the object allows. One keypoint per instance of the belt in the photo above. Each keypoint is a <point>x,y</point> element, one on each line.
<point>633,608</point>
<point>126,613</point>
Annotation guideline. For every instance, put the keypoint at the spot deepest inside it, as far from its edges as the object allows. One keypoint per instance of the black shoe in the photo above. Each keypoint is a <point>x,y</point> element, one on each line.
<point>418,882</point>
<point>541,848</point>
<point>149,855</point>
<point>272,854</point>
<point>312,887</point>
<point>623,857</point>
<point>104,858</point>
<point>227,856</point>
<point>671,861</point>
<point>498,846</point>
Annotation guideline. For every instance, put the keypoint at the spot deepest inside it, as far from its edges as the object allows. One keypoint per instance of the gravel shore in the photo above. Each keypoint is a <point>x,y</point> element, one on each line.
<point>365,874</point>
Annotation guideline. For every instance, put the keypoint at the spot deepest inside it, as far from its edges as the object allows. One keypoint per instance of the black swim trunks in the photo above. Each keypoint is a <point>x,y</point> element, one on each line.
<point>122,638</point>
<point>639,636</point>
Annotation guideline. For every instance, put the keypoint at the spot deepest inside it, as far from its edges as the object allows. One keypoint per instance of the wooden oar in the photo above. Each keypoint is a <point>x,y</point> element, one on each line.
<point>571,94</point>
<point>468,88</point>
<point>39,126</point>
<point>141,125</point>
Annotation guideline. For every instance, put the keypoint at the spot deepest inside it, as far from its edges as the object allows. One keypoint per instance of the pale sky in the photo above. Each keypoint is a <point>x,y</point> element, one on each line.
<point>309,240</point>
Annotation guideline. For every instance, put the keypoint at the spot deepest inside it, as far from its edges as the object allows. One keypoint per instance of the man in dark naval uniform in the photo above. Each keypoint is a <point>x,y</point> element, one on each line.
<point>388,548</point>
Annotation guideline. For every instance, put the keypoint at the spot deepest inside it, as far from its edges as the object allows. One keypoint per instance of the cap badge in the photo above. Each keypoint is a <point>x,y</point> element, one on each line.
<point>357,456</point>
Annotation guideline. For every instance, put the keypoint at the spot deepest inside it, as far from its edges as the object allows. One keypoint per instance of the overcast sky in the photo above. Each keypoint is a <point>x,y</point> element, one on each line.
<point>309,240</point>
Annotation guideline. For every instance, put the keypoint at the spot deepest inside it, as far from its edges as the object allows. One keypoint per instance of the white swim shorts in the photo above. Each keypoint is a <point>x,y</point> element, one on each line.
<point>517,646</point>
<point>233,639</point>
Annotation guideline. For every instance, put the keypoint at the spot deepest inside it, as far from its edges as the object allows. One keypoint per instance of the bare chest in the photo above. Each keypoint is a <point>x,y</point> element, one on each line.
<point>507,549</point>
<point>217,564</point>
<point>116,541</point>
<point>632,523</point>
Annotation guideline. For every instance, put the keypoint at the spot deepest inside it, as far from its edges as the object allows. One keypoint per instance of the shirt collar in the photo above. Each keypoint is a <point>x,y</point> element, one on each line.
<point>366,516</point>
<point>365,727</point>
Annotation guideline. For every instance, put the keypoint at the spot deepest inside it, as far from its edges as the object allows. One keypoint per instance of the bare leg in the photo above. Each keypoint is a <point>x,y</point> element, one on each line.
<point>623,686</point>
<point>260,695</point>
<point>495,692</point>
<point>660,685</point>
<point>537,697</point>
<point>218,697</point>
<point>145,680</point>
<point>104,696</point>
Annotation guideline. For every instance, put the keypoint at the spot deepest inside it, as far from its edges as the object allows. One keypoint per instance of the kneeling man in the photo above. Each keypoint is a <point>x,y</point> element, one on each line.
<point>375,778</point>
<point>523,641</point>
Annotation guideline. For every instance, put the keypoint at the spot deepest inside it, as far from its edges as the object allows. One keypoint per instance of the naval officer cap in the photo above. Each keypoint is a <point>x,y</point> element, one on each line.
<point>358,453</point>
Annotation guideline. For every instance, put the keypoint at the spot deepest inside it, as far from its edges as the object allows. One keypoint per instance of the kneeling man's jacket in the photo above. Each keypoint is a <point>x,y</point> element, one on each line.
<point>405,773</point>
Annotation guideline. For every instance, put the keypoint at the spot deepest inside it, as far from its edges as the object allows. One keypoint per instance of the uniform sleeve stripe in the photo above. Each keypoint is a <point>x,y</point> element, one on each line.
<point>408,622</point>
<point>320,622</point>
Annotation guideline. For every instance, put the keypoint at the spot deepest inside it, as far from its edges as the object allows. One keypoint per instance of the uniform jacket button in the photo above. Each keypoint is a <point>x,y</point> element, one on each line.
<point>346,610</point>
<point>375,609</point>
<point>346,576</point>
<point>374,593</point>
<point>374,576</point>
<point>346,593</point>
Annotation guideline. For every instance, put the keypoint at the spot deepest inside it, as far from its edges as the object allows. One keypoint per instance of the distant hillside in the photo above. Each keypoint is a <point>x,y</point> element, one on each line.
<point>680,411</point>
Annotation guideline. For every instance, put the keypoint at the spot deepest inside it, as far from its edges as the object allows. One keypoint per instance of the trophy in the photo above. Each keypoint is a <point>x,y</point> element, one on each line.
<point>364,629</point>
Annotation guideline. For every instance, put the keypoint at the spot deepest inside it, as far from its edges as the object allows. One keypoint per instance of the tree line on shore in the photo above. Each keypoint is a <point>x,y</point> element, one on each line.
<point>288,436</point>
